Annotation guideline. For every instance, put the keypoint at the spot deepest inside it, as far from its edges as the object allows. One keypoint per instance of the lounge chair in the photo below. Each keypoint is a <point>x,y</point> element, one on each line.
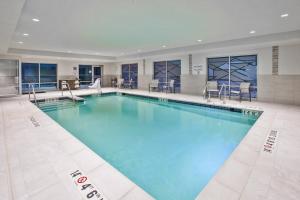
<point>120,83</point>
<point>169,87</point>
<point>153,85</point>
<point>244,89</point>
<point>211,88</point>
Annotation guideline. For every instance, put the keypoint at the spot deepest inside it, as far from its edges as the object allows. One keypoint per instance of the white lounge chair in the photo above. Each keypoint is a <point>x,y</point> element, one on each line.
<point>244,89</point>
<point>169,86</point>
<point>211,87</point>
<point>120,83</point>
<point>96,84</point>
<point>153,85</point>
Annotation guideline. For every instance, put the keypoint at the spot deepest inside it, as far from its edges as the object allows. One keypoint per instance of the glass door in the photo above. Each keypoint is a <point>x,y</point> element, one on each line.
<point>160,73</point>
<point>130,72</point>
<point>173,73</point>
<point>165,71</point>
<point>96,72</point>
<point>85,75</point>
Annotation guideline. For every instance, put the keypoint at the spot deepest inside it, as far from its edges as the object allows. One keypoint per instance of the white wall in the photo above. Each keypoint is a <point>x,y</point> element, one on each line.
<point>289,60</point>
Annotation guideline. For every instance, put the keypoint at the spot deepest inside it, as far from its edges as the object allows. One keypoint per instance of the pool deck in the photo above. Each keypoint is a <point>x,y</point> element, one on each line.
<point>37,156</point>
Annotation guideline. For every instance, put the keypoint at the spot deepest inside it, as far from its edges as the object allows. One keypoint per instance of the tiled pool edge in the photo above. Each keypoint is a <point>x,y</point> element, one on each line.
<point>132,190</point>
<point>227,186</point>
<point>122,187</point>
<point>213,105</point>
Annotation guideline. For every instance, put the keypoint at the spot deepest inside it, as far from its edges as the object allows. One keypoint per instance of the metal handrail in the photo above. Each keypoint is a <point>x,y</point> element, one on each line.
<point>33,92</point>
<point>220,92</point>
<point>68,87</point>
<point>99,88</point>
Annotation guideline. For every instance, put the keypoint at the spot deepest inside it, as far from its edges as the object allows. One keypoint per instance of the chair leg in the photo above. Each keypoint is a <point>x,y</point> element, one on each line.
<point>240,97</point>
<point>250,96</point>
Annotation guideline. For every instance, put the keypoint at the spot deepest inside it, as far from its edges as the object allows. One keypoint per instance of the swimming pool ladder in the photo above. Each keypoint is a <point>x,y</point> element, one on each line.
<point>224,95</point>
<point>65,85</point>
<point>31,86</point>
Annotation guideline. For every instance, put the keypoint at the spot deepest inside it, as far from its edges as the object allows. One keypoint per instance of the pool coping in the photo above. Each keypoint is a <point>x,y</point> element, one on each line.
<point>231,180</point>
<point>217,106</point>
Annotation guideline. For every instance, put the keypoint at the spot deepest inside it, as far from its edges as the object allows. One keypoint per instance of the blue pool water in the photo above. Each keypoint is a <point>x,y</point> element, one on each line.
<point>169,149</point>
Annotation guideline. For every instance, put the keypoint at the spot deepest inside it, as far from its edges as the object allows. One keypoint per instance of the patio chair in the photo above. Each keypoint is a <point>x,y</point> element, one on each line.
<point>244,89</point>
<point>169,86</point>
<point>153,85</point>
<point>76,84</point>
<point>120,83</point>
<point>129,84</point>
<point>211,88</point>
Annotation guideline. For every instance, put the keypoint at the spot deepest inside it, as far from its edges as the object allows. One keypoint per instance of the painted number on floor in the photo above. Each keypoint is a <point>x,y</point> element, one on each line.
<point>85,187</point>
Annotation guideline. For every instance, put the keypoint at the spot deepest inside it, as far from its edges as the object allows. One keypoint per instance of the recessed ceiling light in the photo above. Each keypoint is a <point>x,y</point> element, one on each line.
<point>20,42</point>
<point>164,46</point>
<point>252,32</point>
<point>284,15</point>
<point>199,40</point>
<point>25,34</point>
<point>35,20</point>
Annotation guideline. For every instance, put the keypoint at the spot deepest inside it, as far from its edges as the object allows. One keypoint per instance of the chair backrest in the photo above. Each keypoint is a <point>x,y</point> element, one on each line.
<point>64,85</point>
<point>212,85</point>
<point>154,83</point>
<point>76,84</point>
<point>120,81</point>
<point>171,83</point>
<point>245,87</point>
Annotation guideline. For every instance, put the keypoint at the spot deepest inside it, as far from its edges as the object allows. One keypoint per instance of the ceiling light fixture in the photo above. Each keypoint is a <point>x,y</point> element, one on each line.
<point>35,20</point>
<point>164,46</point>
<point>199,40</point>
<point>284,15</point>
<point>25,34</point>
<point>252,32</point>
<point>20,42</point>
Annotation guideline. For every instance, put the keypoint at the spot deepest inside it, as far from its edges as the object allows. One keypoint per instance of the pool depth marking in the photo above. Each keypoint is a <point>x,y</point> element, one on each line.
<point>34,122</point>
<point>85,187</point>
<point>270,141</point>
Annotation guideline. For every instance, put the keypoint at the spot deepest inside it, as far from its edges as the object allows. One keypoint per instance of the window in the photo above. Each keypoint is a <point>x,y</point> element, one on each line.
<point>165,71</point>
<point>85,75</point>
<point>43,76</point>
<point>130,72</point>
<point>48,76</point>
<point>233,70</point>
<point>97,73</point>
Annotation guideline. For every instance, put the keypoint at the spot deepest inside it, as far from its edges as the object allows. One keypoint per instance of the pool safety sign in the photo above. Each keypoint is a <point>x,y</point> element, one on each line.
<point>87,189</point>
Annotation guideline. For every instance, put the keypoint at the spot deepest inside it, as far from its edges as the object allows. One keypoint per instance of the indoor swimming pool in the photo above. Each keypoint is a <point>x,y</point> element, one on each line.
<point>170,149</point>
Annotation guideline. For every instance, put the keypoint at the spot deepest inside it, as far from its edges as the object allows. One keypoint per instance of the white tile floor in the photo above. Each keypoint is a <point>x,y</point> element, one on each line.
<point>36,161</point>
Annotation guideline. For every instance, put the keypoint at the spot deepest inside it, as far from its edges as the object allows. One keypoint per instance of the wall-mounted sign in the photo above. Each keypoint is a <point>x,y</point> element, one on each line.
<point>198,68</point>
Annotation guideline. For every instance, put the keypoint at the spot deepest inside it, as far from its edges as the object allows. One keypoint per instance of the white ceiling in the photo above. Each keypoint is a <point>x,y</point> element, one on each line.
<point>114,27</point>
